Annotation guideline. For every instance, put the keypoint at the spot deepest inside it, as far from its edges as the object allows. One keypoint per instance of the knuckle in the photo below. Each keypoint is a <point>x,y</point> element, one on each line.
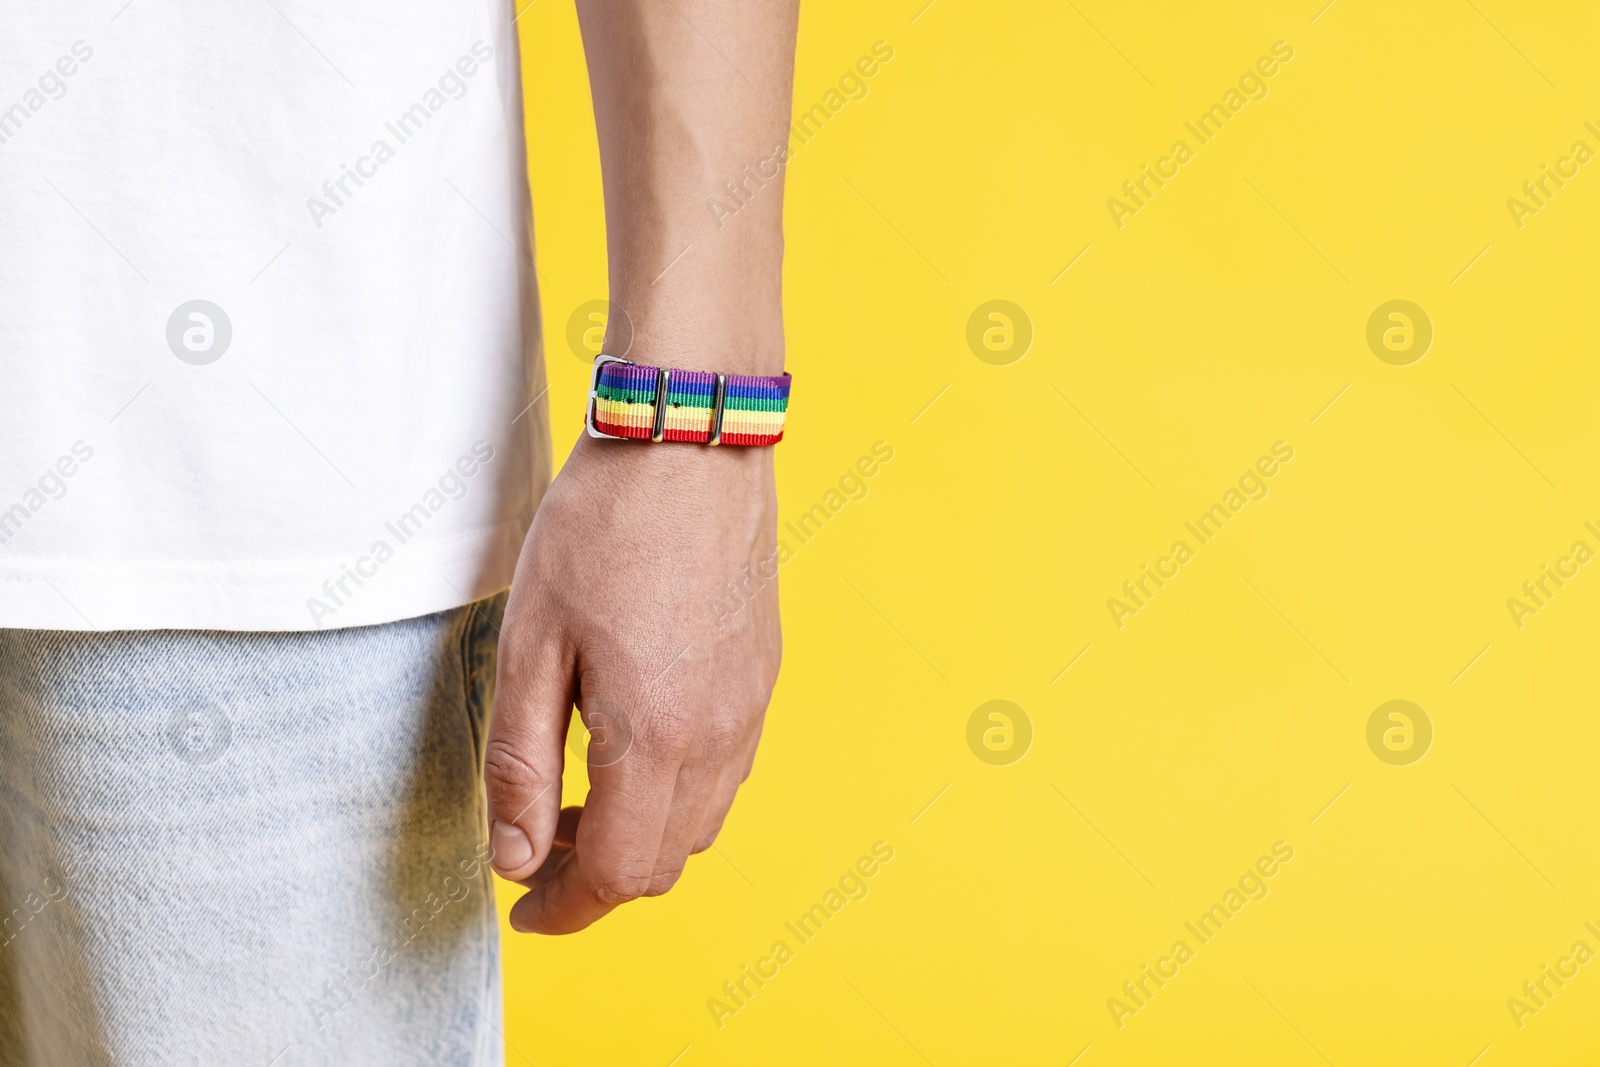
<point>664,880</point>
<point>506,770</point>
<point>667,735</point>
<point>619,887</point>
<point>721,737</point>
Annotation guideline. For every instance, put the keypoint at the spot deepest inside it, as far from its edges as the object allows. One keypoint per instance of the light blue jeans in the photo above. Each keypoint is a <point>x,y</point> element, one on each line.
<point>264,848</point>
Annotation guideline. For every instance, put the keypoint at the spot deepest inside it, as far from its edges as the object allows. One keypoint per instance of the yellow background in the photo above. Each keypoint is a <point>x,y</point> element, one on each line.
<point>1230,711</point>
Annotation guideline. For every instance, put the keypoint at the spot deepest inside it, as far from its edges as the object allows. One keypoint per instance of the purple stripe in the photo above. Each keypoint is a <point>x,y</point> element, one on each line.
<point>751,386</point>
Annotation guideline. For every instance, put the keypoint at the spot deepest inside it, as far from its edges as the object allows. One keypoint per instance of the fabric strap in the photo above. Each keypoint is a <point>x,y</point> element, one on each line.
<point>752,411</point>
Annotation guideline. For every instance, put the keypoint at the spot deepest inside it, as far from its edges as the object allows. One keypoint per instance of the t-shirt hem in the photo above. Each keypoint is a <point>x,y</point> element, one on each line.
<point>336,593</point>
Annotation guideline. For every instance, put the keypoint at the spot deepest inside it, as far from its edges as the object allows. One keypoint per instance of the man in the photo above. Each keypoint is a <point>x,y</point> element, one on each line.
<point>272,437</point>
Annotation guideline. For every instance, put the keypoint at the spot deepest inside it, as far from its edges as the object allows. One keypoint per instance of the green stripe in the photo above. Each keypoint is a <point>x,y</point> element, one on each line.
<point>688,400</point>
<point>631,396</point>
<point>754,403</point>
<point>693,400</point>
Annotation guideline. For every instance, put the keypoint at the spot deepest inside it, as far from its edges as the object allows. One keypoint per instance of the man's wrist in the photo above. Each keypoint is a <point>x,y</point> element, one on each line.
<point>714,309</point>
<point>720,348</point>
<point>700,478</point>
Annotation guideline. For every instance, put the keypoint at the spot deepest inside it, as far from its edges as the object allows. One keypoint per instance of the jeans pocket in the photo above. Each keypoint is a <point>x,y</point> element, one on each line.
<point>480,642</point>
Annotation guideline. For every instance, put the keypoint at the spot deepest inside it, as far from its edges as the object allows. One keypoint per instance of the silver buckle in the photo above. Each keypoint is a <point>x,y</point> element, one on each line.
<point>594,394</point>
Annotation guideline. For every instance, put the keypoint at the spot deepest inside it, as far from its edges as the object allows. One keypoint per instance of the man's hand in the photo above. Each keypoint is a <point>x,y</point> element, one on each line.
<point>621,604</point>
<point>646,592</point>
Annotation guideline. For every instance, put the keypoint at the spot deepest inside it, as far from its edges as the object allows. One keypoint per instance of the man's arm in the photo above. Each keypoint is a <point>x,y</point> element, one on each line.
<point>634,543</point>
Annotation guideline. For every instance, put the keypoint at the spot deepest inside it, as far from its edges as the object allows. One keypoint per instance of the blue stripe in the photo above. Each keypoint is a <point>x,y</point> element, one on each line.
<point>759,392</point>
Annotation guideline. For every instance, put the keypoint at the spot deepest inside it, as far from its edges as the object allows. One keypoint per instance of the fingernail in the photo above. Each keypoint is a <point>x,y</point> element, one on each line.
<point>509,846</point>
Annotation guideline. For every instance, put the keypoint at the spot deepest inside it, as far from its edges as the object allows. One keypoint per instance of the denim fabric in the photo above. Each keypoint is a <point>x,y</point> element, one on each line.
<point>252,848</point>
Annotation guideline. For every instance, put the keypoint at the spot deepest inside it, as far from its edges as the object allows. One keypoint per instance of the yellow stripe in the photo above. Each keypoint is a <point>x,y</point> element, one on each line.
<point>752,422</point>
<point>620,412</point>
<point>693,420</point>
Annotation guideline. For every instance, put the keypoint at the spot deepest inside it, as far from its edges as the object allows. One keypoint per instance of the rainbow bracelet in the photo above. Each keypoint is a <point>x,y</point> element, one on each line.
<point>701,407</point>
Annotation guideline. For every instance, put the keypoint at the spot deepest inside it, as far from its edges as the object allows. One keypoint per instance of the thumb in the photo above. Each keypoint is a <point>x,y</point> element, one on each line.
<point>523,757</point>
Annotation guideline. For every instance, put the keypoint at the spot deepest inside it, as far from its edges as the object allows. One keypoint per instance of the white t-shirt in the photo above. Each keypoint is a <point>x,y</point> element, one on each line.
<point>268,329</point>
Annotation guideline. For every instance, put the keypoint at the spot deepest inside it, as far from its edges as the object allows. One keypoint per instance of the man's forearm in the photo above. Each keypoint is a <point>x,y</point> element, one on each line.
<point>688,93</point>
